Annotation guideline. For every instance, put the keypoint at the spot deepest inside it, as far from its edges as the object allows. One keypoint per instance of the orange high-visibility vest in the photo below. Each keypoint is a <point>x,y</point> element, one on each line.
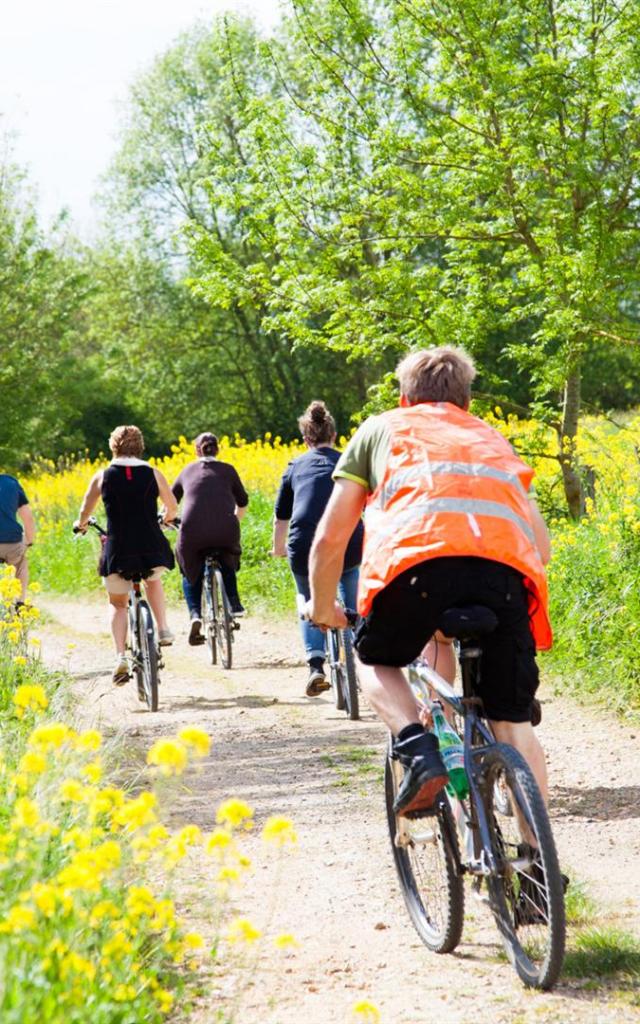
<point>453,486</point>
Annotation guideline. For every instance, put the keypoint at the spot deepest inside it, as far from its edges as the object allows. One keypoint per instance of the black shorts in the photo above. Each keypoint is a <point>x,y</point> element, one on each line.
<point>404,616</point>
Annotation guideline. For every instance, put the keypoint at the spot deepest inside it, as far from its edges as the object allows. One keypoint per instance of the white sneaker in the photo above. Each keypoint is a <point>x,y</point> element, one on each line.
<point>165,638</point>
<point>121,670</point>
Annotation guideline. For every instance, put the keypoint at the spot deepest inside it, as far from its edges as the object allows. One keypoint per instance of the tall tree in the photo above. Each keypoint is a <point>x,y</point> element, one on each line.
<point>497,147</point>
<point>41,291</point>
<point>184,165</point>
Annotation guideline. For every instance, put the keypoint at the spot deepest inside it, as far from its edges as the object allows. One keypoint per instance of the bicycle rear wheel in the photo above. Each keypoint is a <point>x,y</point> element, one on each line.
<point>209,615</point>
<point>425,852</point>
<point>349,677</point>
<point>527,896</point>
<point>224,627</point>
<point>148,655</point>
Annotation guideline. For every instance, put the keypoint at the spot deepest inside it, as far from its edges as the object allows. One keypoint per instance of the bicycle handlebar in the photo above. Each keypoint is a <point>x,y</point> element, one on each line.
<point>95,525</point>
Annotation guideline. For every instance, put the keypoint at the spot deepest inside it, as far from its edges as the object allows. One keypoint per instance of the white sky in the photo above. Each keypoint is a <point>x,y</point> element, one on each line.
<point>64,67</point>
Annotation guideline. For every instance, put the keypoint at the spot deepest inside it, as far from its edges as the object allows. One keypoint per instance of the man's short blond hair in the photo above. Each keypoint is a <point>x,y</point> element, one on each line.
<point>437,375</point>
<point>126,441</point>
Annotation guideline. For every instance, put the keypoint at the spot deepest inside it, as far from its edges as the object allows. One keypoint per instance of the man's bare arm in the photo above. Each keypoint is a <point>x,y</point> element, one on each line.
<point>28,523</point>
<point>279,543</point>
<point>326,559</point>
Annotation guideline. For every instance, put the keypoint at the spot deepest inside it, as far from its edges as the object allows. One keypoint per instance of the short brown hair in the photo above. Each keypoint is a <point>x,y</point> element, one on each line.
<point>317,425</point>
<point>437,375</point>
<point>126,441</point>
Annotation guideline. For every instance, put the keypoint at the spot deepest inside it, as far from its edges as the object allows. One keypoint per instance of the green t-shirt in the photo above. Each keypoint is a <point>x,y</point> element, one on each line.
<point>365,458</point>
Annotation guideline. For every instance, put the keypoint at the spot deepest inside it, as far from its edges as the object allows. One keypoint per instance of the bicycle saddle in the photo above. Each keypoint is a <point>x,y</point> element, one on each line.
<point>468,623</point>
<point>216,553</point>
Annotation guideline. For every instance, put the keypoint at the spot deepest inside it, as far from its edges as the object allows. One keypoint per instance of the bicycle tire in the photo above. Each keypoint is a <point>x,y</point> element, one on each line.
<point>527,903</point>
<point>349,677</point>
<point>427,869</point>
<point>333,641</point>
<point>136,655</point>
<point>148,655</point>
<point>209,617</point>
<point>224,628</point>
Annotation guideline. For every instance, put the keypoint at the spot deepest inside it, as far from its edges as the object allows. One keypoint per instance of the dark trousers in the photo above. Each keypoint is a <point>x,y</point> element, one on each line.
<point>193,591</point>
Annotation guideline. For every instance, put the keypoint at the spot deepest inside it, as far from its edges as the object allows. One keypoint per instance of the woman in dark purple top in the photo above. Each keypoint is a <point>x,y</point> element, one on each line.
<point>214,501</point>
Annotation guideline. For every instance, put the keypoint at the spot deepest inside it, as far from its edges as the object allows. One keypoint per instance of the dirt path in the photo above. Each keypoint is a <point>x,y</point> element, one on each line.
<point>338,893</point>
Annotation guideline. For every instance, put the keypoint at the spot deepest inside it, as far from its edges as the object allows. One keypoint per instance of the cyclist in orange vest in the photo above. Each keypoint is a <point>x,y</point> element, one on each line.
<point>450,520</point>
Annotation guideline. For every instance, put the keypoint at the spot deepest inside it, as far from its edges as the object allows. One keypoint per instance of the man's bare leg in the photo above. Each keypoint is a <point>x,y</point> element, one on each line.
<point>521,736</point>
<point>389,695</point>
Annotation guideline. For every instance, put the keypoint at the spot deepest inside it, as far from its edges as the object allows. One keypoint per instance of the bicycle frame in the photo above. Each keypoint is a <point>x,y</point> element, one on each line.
<point>423,679</point>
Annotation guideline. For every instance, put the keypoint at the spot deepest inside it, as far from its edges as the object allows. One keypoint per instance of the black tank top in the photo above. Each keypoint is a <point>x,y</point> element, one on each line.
<point>135,542</point>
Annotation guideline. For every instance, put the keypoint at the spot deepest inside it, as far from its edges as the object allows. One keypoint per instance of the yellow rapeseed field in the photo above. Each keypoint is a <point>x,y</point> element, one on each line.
<point>53,488</point>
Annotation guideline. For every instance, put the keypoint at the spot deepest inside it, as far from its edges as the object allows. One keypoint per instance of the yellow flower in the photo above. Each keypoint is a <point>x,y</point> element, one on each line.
<point>33,762</point>
<point>136,813</point>
<point>219,841</point>
<point>124,993</point>
<point>169,756</point>
<point>34,641</point>
<point>44,897</point>
<point>242,930</point>
<point>25,814</point>
<point>51,736</point>
<point>164,999</point>
<point>365,1012</point>
<point>279,831</point>
<point>19,919</point>
<point>228,874</point>
<point>195,739</point>
<point>29,697</point>
<point>234,813</point>
<point>72,790</point>
<point>20,660</point>
<point>285,941</point>
<point>190,835</point>
<point>89,741</point>
<point>93,771</point>
<point>193,940</point>
<point>35,588</point>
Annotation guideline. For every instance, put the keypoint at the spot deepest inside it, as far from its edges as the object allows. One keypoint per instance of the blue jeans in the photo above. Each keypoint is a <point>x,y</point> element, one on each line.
<point>193,591</point>
<point>312,637</point>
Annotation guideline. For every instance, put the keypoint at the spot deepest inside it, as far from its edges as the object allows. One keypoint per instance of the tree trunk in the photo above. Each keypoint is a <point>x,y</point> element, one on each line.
<point>573,488</point>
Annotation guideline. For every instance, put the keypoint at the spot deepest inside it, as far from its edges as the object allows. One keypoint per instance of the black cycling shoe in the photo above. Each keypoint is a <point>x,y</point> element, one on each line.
<point>424,777</point>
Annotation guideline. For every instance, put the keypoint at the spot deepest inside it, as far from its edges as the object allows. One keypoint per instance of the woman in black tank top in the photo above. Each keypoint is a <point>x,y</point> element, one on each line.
<point>135,544</point>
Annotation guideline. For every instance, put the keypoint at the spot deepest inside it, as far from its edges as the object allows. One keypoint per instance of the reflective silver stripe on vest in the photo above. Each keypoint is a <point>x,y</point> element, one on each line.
<point>428,469</point>
<point>464,506</point>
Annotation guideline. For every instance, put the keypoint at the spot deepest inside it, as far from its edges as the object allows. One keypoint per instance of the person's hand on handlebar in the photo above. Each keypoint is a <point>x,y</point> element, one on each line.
<point>329,617</point>
<point>79,527</point>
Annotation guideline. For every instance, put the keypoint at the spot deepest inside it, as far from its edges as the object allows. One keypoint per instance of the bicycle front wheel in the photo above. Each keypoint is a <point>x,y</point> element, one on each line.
<point>224,628</point>
<point>527,892</point>
<point>425,851</point>
<point>148,655</point>
<point>333,647</point>
<point>349,677</point>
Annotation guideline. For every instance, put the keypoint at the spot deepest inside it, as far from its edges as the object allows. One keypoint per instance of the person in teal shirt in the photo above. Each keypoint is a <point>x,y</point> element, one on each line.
<point>15,537</point>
